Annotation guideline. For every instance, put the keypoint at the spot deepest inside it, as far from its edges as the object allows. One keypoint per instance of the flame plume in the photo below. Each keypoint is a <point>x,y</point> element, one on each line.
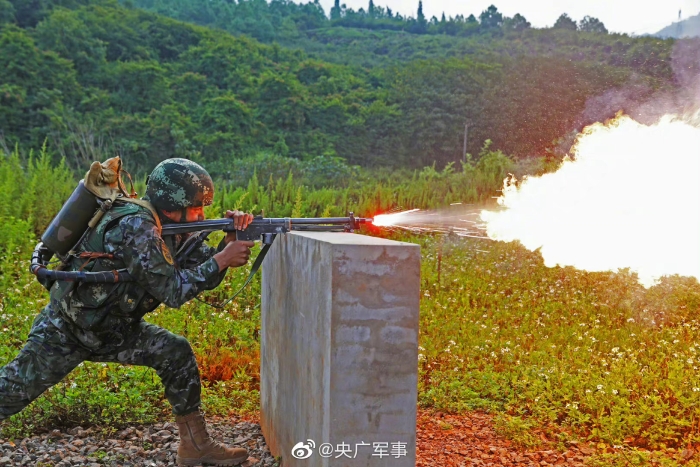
<point>390,220</point>
<point>457,219</point>
<point>629,199</point>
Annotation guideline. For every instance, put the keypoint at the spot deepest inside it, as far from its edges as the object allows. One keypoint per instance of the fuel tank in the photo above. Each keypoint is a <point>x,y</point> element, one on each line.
<point>71,222</point>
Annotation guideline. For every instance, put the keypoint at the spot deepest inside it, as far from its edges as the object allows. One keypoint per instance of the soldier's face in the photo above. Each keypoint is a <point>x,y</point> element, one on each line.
<point>192,214</point>
<point>195,214</point>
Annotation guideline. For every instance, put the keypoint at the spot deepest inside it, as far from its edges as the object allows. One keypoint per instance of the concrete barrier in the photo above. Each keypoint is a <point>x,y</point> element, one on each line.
<point>339,350</point>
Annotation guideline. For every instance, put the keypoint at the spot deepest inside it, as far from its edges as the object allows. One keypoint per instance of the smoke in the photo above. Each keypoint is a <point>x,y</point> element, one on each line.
<point>629,199</point>
<point>646,104</point>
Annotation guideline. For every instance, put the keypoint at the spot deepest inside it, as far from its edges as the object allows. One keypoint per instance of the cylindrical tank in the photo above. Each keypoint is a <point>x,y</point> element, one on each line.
<point>71,222</point>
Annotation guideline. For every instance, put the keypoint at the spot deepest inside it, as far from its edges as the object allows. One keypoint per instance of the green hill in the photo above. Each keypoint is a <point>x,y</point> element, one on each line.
<point>95,77</point>
<point>378,38</point>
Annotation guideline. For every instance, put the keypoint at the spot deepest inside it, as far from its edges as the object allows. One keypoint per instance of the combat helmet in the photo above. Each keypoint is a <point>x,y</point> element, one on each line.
<point>176,184</point>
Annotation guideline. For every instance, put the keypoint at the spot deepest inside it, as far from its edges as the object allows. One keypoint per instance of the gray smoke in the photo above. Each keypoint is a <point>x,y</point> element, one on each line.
<point>646,104</point>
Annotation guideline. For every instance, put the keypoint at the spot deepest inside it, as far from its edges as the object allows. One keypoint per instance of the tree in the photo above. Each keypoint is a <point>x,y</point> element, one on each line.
<point>227,125</point>
<point>435,98</point>
<point>335,11</point>
<point>516,23</point>
<point>7,12</point>
<point>590,24</point>
<point>565,22</point>
<point>420,26</point>
<point>491,18</point>
<point>64,33</point>
<point>420,16</point>
<point>536,100</point>
<point>29,12</point>
<point>371,11</point>
<point>137,86</point>
<point>36,86</point>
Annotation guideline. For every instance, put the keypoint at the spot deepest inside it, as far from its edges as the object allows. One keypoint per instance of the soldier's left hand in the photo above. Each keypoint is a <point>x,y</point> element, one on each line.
<point>241,220</point>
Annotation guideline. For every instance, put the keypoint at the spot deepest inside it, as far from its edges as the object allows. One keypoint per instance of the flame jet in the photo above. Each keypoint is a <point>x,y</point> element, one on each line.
<point>457,219</point>
<point>629,198</point>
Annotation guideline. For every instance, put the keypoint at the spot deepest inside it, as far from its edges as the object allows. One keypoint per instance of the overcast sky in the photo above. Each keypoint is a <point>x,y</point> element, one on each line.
<point>630,16</point>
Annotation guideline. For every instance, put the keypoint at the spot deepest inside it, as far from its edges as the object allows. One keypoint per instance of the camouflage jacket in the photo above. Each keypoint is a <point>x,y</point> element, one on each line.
<point>102,312</point>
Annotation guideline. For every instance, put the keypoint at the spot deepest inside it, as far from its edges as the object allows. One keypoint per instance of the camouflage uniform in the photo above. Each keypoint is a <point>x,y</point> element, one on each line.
<point>104,322</point>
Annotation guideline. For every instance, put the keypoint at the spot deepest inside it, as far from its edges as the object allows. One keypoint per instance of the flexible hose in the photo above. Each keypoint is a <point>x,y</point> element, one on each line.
<point>38,268</point>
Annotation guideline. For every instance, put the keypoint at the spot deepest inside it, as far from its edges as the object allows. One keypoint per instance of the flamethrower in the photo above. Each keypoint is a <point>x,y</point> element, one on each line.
<point>266,228</point>
<point>260,229</point>
<point>263,229</point>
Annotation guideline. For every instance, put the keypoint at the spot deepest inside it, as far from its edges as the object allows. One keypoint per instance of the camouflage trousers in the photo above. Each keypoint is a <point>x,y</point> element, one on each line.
<point>52,351</point>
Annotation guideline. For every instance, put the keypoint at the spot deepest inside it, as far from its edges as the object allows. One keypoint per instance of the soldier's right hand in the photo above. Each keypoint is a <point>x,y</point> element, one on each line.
<point>234,254</point>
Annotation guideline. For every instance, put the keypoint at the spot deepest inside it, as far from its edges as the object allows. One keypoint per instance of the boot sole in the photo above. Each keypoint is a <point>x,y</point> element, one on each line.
<point>199,461</point>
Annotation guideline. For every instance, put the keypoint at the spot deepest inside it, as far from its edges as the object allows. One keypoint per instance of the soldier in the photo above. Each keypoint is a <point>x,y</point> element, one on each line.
<point>103,322</point>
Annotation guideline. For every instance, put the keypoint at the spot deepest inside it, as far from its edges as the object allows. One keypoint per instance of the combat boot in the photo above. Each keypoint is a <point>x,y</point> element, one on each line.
<point>197,447</point>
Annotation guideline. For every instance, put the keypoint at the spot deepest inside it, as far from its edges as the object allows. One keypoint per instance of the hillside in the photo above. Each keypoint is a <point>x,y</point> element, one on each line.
<point>94,77</point>
<point>689,27</point>
<point>377,37</point>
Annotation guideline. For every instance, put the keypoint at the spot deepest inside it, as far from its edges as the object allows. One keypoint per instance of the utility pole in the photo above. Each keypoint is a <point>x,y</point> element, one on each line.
<point>466,136</point>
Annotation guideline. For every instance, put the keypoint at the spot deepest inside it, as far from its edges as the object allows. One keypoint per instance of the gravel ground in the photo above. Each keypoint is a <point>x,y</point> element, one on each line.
<point>154,445</point>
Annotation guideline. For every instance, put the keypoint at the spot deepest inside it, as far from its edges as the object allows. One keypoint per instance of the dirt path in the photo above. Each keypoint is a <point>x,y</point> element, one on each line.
<point>470,441</point>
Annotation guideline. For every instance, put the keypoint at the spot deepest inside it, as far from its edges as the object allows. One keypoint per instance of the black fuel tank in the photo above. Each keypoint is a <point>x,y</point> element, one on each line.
<point>71,222</point>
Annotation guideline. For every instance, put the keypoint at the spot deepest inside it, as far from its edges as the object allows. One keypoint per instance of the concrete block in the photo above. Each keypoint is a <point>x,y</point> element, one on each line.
<point>399,335</point>
<point>339,350</point>
<point>352,334</point>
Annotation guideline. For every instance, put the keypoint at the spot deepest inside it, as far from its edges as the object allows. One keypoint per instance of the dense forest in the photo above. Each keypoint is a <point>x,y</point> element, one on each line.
<point>371,88</point>
<point>377,36</point>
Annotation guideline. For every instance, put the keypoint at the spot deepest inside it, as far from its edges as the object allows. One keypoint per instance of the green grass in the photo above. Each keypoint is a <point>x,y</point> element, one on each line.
<point>576,355</point>
<point>552,352</point>
<point>591,356</point>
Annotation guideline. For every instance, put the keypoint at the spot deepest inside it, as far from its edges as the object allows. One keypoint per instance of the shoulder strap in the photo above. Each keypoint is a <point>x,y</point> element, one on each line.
<point>94,241</point>
<point>145,204</point>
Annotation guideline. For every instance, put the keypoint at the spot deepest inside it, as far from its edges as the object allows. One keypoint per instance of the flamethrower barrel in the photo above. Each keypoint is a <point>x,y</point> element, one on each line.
<point>325,220</point>
<point>214,224</point>
<point>318,228</point>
